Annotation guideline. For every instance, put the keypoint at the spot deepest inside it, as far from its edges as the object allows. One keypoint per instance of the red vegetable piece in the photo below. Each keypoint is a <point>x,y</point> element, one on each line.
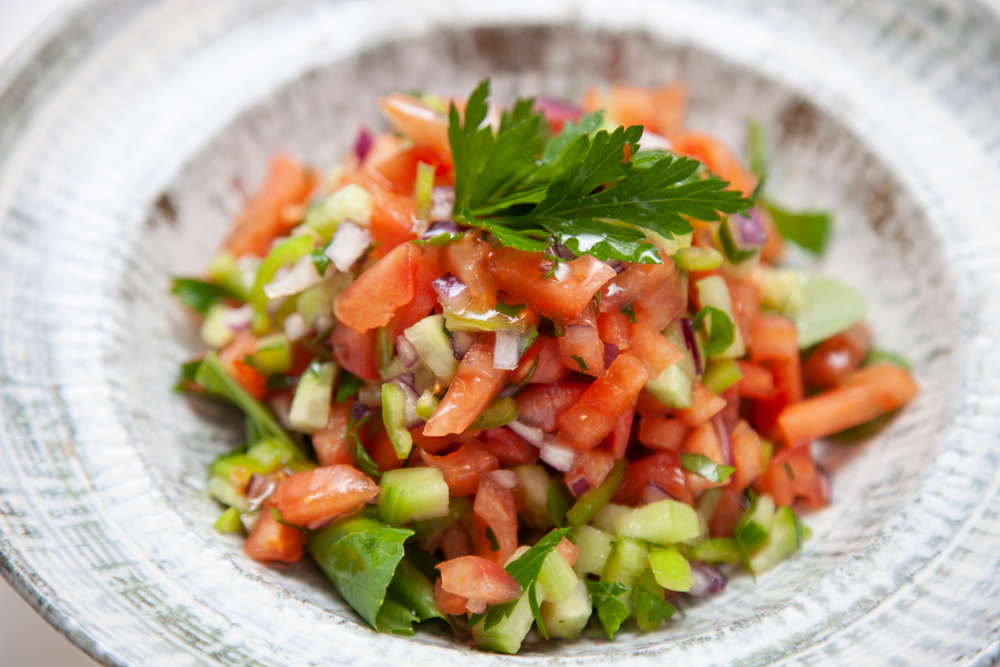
<point>323,493</point>
<point>615,328</point>
<point>592,465</point>
<point>542,405</point>
<point>704,441</point>
<point>653,348</point>
<point>775,338</point>
<point>569,551</point>
<point>463,468</point>
<point>478,578</point>
<point>787,391</point>
<point>835,359</point>
<point>447,602</point>
<point>717,157</point>
<point>373,298</point>
<point>355,351</point>
<point>663,299</point>
<point>705,404</point>
<point>424,298</point>
<point>510,448</point>
<point>647,405</point>
<point>494,521</point>
<point>757,381</point>
<point>467,259</point>
<point>474,387</point>
<point>663,470</point>
<point>330,442</point>
<point>582,350</point>
<point>791,474</point>
<point>746,306</point>
<point>399,173</point>
<point>455,541</point>
<point>381,451</point>
<point>748,455</point>
<point>585,424</point>
<point>617,441</point>
<point>658,432</point>
<point>245,375</point>
<point>545,358</point>
<point>623,289</point>
<point>272,541</point>
<point>727,512</point>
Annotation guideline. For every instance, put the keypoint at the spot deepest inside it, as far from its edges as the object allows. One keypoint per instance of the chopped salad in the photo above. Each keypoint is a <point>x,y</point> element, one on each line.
<point>529,366</point>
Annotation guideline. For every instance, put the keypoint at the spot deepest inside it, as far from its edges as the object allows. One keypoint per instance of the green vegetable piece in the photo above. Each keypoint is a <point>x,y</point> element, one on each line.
<point>351,202</point>
<point>434,346</point>
<point>359,555</point>
<point>510,311</point>
<point>758,153</point>
<point>610,609</point>
<point>589,503</point>
<point>230,522</point>
<point>580,362</point>
<point>272,453</point>
<point>317,301</point>
<point>396,618</point>
<point>673,387</point>
<point>833,307</point>
<point>226,273</point>
<point>394,418</point>
<point>557,500</point>
<point>864,431</point>
<point>422,189</point>
<point>412,494</point>
<point>286,252</point>
<point>706,467</point>
<point>733,254</point>
<point>567,619</point>
<point>663,522</point>
<point>311,405</point>
<point>783,291</point>
<point>427,404</point>
<point>694,258</point>
<point>532,496</point>
<point>649,607</point>
<point>628,559</point>
<point>501,413</point>
<point>557,577</point>
<point>724,340</point>
<point>808,230</point>
<point>784,540</point>
<point>506,635</point>
<point>413,588</point>
<point>754,526</point>
<point>197,294</point>
<point>767,449</point>
<point>721,374</point>
<point>876,356</point>
<point>595,547</point>
<point>457,508</point>
<point>605,517</point>
<point>716,550</point>
<point>671,569</point>
<point>223,490</point>
<point>348,386</point>
<point>718,327</point>
<point>214,331</point>
<point>273,354</point>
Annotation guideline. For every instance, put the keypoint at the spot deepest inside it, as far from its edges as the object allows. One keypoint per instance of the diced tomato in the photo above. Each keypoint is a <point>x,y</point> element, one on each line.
<point>355,351</point>
<point>660,110</point>
<point>664,299</point>
<point>757,381</point>
<point>463,467</point>
<point>246,376</point>
<point>705,404</point>
<point>467,259</point>
<point>399,173</point>
<point>301,358</point>
<point>582,350</point>
<point>510,448</point>
<point>775,338</point>
<point>545,358</point>
<point>585,424</point>
<point>617,441</point>
<point>272,541</point>
<point>261,221</point>
<point>381,451</point>
<point>835,359</point>
<point>330,442</point>
<point>478,579</point>
<point>616,329</point>
<point>870,392</point>
<point>791,474</point>
<point>717,157</point>
<point>704,440</point>
<point>663,470</point>
<point>746,305</point>
<point>476,384</point>
<point>569,551</point>
<point>653,348</point>
<point>494,516</point>
<point>447,602</point>
<point>748,455</point>
<point>373,298</point>
<point>775,246</point>
<point>323,493</point>
<point>391,222</point>
<point>424,298</point>
<point>623,289</point>
<point>592,465</point>
<point>648,406</point>
<point>731,413</point>
<point>563,295</point>
<point>417,120</point>
<point>455,541</point>
<point>542,405</point>
<point>662,432</point>
<point>727,512</point>
<point>787,391</point>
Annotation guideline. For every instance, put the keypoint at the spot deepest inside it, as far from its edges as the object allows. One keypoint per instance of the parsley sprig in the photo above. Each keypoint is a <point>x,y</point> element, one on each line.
<point>578,189</point>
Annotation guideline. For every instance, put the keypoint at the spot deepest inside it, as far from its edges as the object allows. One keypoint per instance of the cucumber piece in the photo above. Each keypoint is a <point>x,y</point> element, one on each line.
<point>594,546</point>
<point>716,550</point>
<point>675,334</point>
<point>412,494</point>
<point>351,202</point>
<point>650,609</point>
<point>230,522</point>
<point>754,526</point>
<point>584,509</point>
<point>434,346</point>
<point>272,453</point>
<point>532,496</point>
<point>695,258</point>
<point>785,539</point>
<point>222,490</point>
<point>500,413</point>
<point>224,465</point>
<point>214,332</point>
<point>670,569</point>
<point>226,273</point>
<point>427,404</point>
<point>394,418</point>
<point>557,577</point>
<point>422,190</point>
<point>491,320</point>
<point>713,292</point>
<point>317,301</point>
<point>628,558</point>
<point>783,291</point>
<point>311,406</point>
<point>273,354</point>
<point>507,635</point>
<point>567,619</point>
<point>721,374</point>
<point>663,522</point>
<point>604,519</point>
<point>833,307</point>
<point>767,449</point>
<point>457,508</point>
<point>672,387</point>
<point>707,502</point>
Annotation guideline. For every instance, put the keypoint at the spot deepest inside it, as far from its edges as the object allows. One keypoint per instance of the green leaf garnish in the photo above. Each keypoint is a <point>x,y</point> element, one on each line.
<point>319,258</point>
<point>580,362</point>
<point>706,467</point>
<point>610,609</point>
<point>558,499</point>
<point>509,311</point>
<point>656,610</point>
<point>491,536</point>
<point>809,230</point>
<point>357,449</point>
<point>197,294</point>
<point>721,332</point>
<point>629,312</point>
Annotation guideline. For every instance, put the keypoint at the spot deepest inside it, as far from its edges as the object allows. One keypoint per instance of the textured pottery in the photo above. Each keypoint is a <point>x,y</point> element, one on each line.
<point>130,133</point>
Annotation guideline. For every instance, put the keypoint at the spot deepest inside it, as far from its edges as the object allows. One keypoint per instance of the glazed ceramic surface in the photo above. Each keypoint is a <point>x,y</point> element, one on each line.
<point>130,133</point>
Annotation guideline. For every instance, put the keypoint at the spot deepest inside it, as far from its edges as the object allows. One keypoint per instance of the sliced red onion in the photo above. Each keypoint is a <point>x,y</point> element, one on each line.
<point>562,252</point>
<point>651,141</point>
<point>511,391</point>
<point>439,228</point>
<point>348,245</point>
<point>654,494</point>
<point>508,479</point>
<point>687,326</point>
<point>747,232</point>
<point>617,265</point>
<point>556,454</point>
<point>610,354</point>
<point>725,442</point>
<point>238,319</point>
<point>707,580</point>
<point>442,204</point>
<point>256,486</point>
<point>302,276</point>
<point>359,411</point>
<point>265,488</point>
<point>507,351</point>
<point>370,395</point>
<point>296,328</point>
<point>407,352</point>
<point>461,341</point>
<point>535,436</point>
<point>363,144</point>
<point>449,287</point>
<point>580,487</point>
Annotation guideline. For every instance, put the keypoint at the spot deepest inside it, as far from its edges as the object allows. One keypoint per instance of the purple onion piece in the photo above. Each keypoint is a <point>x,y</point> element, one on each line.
<point>461,341</point>
<point>363,144</point>
<point>654,494</point>
<point>508,479</point>
<point>359,412</point>
<point>826,488</point>
<point>256,486</point>
<point>707,580</point>
<point>687,326</point>
<point>406,383</point>
<point>511,391</point>
<point>559,456</point>
<point>579,487</point>
<point>725,442</point>
<point>616,264</point>
<point>441,227</point>
<point>555,108</point>
<point>610,354</point>
<point>442,203</point>
<point>535,436</point>
<point>407,352</point>
<point>747,231</point>
<point>562,252</point>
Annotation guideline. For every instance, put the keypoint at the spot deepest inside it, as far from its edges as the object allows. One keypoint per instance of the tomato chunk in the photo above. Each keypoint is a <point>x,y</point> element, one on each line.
<point>569,551</point>
<point>467,259</point>
<point>245,375</point>
<point>541,363</point>
<point>661,470</point>
<point>447,602</point>
<point>757,381</point>
<point>474,387</point>
<point>663,299</point>
<point>272,541</point>
<point>463,468</point>
<point>746,306</point>
<point>788,390</point>
<point>705,404</point>
<point>658,432</point>
<point>455,541</point>
<point>617,441</point>
<point>381,451</point>
<point>373,298</point>
<point>748,455</point>
<point>587,423</point>
<point>590,467</point>
<point>653,348</point>
<point>542,405</point>
<point>330,442</point>
<point>400,171</point>
<point>835,359</point>
<point>615,328</point>
<point>792,473</point>
<point>494,521</point>
<point>582,350</point>
<point>424,298</point>
<point>717,157</point>
<point>323,493</point>
<point>355,351</point>
<point>477,578</point>
<point>510,448</point>
<point>704,440</point>
<point>417,120</point>
<point>727,512</point>
<point>564,295</point>
<point>775,338</point>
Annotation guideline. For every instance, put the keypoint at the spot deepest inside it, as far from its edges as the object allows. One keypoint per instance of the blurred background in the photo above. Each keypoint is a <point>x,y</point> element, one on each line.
<point>26,639</point>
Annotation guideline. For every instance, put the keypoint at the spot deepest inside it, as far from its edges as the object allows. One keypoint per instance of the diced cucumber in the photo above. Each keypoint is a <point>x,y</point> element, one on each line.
<point>273,354</point>
<point>311,406</point>
<point>721,374</point>
<point>457,508</point>
<point>671,569</point>
<point>567,619</point>
<point>713,292</point>
<point>427,404</point>
<point>628,558</point>
<point>222,490</point>
<point>288,251</point>
<point>646,615</point>
<point>696,258</point>
<point>532,495</point>
<point>272,453</point>
<point>707,502</point>
<point>230,522</point>
<point>716,550</point>
<point>394,417</point>
<point>672,388</point>
<point>422,189</point>
<point>755,525</point>
<point>663,522</point>
<point>500,413</point>
<point>595,547</point>
<point>784,540</point>
<point>224,465</point>
<point>675,334</point>
<point>351,202</point>
<point>317,301</point>
<point>590,503</point>
<point>214,332</point>
<point>557,577</point>
<point>226,273</point>
<point>507,635</point>
<point>491,320</point>
<point>412,494</point>
<point>604,518</point>
<point>434,346</point>
<point>833,307</point>
<point>783,291</point>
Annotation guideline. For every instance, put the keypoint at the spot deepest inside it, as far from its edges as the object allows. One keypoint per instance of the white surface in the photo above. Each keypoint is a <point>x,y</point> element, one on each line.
<point>26,640</point>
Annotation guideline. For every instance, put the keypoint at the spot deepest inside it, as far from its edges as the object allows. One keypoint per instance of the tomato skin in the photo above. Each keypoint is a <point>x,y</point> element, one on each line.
<point>618,440</point>
<point>417,120</point>
<point>705,404</point>
<point>648,406</point>
<point>478,578</point>
<point>494,509</point>
<point>746,306</point>
<point>373,298</point>
<point>582,350</point>
<point>704,440</point>
<point>549,368</point>
<point>323,493</point>
<point>272,541</point>
<point>261,220</point>
<point>791,474</point>
<point>245,375</point>
<point>565,295</point>
<point>433,445</point>
<point>757,381</point>
<point>748,455</point>
<point>727,512</point>
<point>382,453</point>
<point>663,299</point>
<point>447,602</point>
<point>455,541</point>
<point>424,298</point>
<point>399,172</point>
<point>655,350</point>
<point>586,424</point>
<point>658,432</point>
<point>474,387</point>
<point>569,551</point>
<point>355,351</point>
<point>717,157</point>
<point>835,359</point>
<point>663,469</point>
<point>463,468</point>
<point>593,465</point>
<point>776,338</point>
<point>510,448</point>
<point>660,110</point>
<point>623,289</point>
<point>615,328</point>
<point>330,442</point>
<point>542,405</point>
<point>467,259</point>
<point>787,391</point>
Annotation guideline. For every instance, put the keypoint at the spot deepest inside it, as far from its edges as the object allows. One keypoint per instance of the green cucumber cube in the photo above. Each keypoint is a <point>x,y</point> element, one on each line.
<point>594,546</point>
<point>412,494</point>
<point>671,569</point>
<point>311,406</point>
<point>567,619</point>
<point>664,522</point>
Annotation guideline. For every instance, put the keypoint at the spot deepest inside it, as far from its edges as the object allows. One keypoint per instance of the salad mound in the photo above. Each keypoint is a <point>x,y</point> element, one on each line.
<point>529,366</point>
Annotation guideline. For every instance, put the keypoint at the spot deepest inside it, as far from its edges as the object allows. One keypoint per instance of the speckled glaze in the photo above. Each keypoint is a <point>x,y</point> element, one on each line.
<point>131,132</point>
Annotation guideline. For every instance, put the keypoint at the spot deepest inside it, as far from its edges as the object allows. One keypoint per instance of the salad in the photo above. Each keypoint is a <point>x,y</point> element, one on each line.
<point>529,366</point>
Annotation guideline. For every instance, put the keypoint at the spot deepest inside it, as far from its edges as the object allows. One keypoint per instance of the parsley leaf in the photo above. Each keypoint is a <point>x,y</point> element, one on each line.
<point>348,386</point>
<point>580,362</point>
<point>610,609</point>
<point>197,294</point>
<point>509,311</point>
<point>491,536</point>
<point>809,230</point>
<point>558,501</point>
<point>706,467</point>
<point>721,333</point>
<point>357,449</point>
<point>320,259</point>
<point>654,609</point>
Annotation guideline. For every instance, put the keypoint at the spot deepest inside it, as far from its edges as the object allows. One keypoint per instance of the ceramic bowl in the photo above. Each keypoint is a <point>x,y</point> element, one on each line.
<point>130,133</point>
